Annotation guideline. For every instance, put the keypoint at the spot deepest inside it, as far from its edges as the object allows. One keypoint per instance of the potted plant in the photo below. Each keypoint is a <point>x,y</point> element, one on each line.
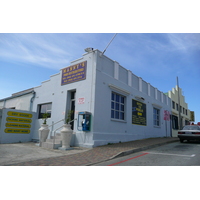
<point>44,130</point>
<point>66,132</point>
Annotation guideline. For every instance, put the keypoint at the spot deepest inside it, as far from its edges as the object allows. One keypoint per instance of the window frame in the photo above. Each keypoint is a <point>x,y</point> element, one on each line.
<point>47,111</point>
<point>118,106</point>
<point>175,122</point>
<point>173,104</point>
<point>177,107</point>
<point>156,117</point>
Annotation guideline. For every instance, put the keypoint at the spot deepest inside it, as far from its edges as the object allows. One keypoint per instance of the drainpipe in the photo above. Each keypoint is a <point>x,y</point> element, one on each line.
<point>31,101</point>
<point>4,103</point>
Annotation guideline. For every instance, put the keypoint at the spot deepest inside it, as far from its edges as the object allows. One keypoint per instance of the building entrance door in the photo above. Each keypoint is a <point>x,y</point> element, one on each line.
<point>72,107</point>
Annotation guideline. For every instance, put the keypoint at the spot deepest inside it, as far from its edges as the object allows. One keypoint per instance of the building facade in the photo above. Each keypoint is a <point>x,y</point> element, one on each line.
<point>185,117</point>
<point>21,100</point>
<point>121,106</point>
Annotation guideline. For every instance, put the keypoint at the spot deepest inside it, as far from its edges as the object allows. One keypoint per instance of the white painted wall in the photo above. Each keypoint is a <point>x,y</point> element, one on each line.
<point>103,76</point>
<point>52,91</point>
<point>20,103</point>
<point>107,130</point>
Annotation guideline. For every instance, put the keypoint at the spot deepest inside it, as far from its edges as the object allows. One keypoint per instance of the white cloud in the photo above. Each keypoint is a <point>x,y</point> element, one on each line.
<point>185,42</point>
<point>34,49</point>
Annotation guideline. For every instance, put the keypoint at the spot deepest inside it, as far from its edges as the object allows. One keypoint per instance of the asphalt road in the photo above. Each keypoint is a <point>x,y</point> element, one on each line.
<point>173,154</point>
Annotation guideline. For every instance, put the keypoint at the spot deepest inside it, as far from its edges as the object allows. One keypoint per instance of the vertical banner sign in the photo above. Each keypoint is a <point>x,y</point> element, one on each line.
<point>138,113</point>
<point>74,73</point>
<point>166,115</point>
<point>192,116</point>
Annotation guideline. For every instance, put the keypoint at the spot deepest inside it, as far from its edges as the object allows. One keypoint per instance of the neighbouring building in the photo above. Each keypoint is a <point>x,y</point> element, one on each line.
<point>21,100</point>
<point>117,105</point>
<point>185,113</point>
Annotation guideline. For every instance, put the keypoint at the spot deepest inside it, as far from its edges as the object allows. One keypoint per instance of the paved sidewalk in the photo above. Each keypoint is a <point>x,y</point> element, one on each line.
<point>98,154</point>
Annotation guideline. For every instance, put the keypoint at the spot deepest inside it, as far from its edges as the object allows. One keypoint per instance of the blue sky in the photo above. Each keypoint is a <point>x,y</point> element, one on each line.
<point>28,59</point>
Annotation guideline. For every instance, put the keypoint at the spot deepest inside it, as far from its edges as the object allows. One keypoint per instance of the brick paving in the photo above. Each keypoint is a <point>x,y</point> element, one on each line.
<point>98,154</point>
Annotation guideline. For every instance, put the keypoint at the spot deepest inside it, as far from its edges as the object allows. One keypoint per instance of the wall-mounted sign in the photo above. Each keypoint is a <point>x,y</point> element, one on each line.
<point>19,114</point>
<point>166,115</point>
<point>192,118</point>
<point>81,100</point>
<point>16,125</point>
<point>21,120</point>
<point>18,122</point>
<point>21,131</point>
<point>138,113</point>
<point>74,73</point>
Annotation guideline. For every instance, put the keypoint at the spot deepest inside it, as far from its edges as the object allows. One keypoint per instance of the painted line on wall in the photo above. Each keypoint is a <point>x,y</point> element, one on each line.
<point>128,159</point>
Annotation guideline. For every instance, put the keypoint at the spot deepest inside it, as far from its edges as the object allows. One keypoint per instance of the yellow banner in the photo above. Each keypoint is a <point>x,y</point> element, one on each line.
<point>19,131</point>
<point>15,125</point>
<point>19,114</point>
<point>14,119</point>
<point>192,118</point>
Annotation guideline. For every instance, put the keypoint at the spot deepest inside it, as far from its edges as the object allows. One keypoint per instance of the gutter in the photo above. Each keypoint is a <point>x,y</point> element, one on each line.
<point>31,100</point>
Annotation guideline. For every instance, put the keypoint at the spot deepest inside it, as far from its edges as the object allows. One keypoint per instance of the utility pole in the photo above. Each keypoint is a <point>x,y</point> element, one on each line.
<point>179,106</point>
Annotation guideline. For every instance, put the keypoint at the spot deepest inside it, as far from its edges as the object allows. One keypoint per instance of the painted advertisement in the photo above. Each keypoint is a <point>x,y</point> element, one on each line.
<point>15,122</point>
<point>16,125</point>
<point>74,73</point>
<point>138,113</point>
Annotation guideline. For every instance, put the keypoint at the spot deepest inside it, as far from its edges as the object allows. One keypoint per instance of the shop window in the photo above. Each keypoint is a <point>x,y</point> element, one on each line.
<point>173,104</point>
<point>177,107</point>
<point>117,106</point>
<point>156,117</point>
<point>174,122</point>
<point>44,108</point>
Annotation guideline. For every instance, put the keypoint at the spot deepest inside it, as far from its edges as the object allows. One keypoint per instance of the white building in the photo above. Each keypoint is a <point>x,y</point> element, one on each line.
<point>21,100</point>
<point>123,107</point>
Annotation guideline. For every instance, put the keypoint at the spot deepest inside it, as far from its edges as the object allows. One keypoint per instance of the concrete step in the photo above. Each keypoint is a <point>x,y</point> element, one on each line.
<point>50,145</point>
<point>56,141</point>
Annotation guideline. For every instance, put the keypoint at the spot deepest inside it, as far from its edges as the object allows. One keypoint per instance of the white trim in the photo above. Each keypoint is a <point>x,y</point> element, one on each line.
<point>156,106</point>
<point>116,70</point>
<point>129,78</point>
<point>77,60</point>
<point>149,89</point>
<point>156,93</point>
<point>140,84</point>
<point>118,89</point>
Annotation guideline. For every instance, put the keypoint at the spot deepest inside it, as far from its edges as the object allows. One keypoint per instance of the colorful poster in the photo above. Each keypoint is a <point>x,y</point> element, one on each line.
<point>74,73</point>
<point>138,113</point>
